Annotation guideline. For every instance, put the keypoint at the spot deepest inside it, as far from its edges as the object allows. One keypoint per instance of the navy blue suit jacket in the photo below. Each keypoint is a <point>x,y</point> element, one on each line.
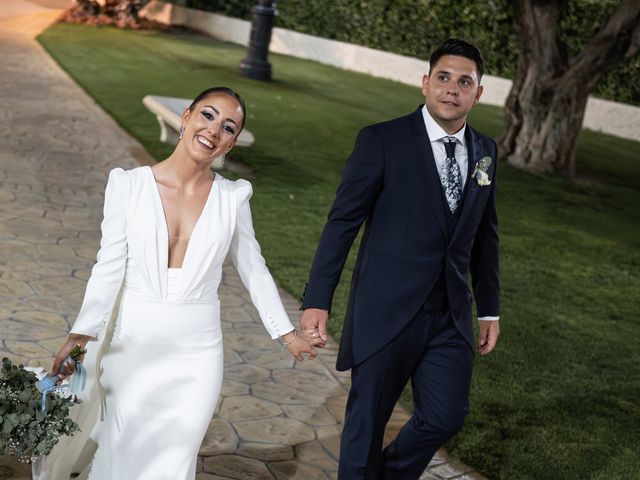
<point>390,183</point>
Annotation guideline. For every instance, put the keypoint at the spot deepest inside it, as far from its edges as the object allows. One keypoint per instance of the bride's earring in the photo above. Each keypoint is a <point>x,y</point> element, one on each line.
<point>181,132</point>
<point>218,162</point>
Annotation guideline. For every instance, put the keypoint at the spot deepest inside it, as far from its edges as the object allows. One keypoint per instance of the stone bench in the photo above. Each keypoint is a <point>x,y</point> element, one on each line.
<point>168,112</point>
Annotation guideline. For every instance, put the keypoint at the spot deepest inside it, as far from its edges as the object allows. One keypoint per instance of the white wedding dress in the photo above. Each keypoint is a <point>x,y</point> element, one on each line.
<point>162,371</point>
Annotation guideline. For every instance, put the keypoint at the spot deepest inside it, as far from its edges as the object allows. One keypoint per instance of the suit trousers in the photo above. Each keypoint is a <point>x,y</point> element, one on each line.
<point>433,354</point>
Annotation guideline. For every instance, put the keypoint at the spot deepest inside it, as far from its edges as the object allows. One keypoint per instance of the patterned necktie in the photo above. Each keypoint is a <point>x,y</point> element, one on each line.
<point>450,176</point>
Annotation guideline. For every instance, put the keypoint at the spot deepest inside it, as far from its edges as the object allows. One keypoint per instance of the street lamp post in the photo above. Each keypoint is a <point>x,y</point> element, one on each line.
<point>255,65</point>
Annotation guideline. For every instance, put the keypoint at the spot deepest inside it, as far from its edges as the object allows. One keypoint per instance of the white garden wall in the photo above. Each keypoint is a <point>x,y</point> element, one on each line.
<point>614,118</point>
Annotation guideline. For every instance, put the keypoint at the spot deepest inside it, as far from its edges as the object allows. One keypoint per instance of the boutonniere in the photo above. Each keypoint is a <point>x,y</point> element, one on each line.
<point>480,172</point>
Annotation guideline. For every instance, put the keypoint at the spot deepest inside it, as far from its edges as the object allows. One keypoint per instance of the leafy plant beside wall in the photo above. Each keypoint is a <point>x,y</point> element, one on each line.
<point>416,27</point>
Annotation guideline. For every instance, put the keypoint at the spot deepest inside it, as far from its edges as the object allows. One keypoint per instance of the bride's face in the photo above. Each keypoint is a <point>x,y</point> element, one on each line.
<point>212,127</point>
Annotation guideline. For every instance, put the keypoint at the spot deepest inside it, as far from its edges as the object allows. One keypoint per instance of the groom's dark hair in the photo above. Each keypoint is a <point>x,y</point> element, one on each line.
<point>460,48</point>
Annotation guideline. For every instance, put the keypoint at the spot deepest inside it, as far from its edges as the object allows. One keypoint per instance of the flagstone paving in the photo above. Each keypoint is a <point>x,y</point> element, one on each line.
<point>277,418</point>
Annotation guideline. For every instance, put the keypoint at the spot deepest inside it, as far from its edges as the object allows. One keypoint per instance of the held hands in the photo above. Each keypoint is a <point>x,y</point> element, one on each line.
<point>488,333</point>
<point>313,333</point>
<point>298,345</point>
<point>72,340</point>
<point>313,325</point>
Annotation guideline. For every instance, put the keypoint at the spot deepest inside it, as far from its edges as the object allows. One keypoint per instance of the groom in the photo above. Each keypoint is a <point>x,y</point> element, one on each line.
<point>424,186</point>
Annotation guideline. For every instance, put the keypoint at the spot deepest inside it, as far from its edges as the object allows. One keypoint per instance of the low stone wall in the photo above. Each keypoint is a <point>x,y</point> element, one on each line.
<point>614,118</point>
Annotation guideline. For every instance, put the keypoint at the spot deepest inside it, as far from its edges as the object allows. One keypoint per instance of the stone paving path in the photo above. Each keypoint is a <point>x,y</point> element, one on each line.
<point>276,419</point>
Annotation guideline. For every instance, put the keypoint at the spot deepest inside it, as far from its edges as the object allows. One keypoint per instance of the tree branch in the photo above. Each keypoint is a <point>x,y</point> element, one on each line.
<point>634,44</point>
<point>617,39</point>
<point>536,33</point>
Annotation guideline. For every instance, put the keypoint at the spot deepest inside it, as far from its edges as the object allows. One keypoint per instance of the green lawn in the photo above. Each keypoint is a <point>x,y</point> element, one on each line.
<point>559,398</point>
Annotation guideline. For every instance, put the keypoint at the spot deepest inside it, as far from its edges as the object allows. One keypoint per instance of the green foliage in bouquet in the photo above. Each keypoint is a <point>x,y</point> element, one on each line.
<point>25,430</point>
<point>77,352</point>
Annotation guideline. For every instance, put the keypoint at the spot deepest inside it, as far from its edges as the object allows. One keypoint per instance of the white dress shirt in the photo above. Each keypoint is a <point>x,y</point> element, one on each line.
<point>436,133</point>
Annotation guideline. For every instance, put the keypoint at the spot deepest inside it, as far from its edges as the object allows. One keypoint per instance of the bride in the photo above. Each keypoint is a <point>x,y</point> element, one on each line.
<point>166,232</point>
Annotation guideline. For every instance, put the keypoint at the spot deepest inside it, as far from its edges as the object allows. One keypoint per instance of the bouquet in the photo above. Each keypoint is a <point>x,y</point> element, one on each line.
<point>30,425</point>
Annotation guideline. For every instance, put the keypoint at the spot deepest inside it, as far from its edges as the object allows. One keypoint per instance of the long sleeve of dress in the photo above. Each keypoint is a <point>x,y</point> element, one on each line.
<point>107,274</point>
<point>248,260</point>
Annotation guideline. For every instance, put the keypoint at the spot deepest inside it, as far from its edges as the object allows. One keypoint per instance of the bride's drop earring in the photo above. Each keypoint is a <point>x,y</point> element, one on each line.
<point>218,162</point>
<point>181,133</point>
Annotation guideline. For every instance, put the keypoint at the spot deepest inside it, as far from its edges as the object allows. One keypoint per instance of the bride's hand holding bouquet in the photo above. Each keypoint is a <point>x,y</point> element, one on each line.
<point>74,341</point>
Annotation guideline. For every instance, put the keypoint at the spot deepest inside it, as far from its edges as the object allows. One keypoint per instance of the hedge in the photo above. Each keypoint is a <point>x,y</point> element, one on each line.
<point>416,27</point>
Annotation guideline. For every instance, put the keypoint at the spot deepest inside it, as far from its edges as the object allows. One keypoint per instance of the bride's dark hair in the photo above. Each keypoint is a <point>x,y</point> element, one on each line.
<point>227,91</point>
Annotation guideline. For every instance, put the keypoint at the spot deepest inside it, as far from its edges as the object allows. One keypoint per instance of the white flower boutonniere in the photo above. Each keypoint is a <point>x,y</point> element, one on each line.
<point>480,172</point>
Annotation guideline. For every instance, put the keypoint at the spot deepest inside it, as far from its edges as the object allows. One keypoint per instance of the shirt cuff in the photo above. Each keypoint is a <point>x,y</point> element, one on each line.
<point>493,319</point>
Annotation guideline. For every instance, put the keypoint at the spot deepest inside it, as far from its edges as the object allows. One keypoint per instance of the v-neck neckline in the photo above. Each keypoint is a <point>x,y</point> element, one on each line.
<point>165,223</point>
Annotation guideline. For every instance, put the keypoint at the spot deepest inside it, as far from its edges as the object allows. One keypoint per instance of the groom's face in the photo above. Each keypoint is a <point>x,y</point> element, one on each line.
<point>451,89</point>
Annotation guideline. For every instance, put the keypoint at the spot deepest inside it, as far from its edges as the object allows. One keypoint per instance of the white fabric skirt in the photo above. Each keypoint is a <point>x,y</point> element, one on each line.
<point>162,377</point>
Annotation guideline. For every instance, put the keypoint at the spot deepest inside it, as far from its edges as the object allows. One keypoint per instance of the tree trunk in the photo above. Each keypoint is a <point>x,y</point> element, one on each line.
<point>543,118</point>
<point>546,105</point>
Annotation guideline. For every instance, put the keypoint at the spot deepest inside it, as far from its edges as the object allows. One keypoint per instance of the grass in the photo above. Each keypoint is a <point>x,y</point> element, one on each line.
<point>559,397</point>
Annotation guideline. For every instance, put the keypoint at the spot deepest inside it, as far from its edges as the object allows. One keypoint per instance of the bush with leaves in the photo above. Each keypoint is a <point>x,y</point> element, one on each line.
<point>26,431</point>
<point>417,27</point>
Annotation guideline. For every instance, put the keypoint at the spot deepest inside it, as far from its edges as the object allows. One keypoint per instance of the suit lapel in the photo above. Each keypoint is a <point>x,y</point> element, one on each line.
<point>427,167</point>
<point>474,152</point>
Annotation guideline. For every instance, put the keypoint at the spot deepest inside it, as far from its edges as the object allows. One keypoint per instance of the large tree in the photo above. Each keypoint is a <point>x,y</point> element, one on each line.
<point>545,108</point>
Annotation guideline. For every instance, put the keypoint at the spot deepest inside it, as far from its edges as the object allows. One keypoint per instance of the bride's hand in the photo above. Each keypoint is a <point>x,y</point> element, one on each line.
<point>72,340</point>
<point>298,345</point>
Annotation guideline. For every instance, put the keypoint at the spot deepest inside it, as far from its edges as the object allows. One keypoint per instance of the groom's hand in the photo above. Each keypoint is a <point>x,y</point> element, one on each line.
<point>315,319</point>
<point>489,331</point>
